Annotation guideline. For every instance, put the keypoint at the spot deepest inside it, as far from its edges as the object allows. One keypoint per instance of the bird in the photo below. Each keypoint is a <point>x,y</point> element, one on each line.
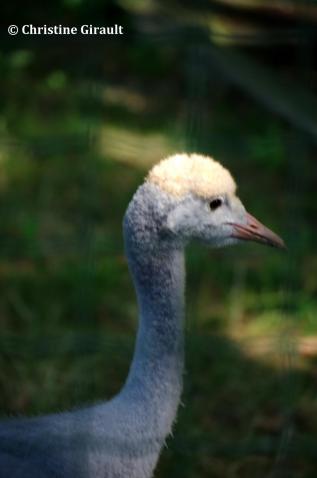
<point>184,198</point>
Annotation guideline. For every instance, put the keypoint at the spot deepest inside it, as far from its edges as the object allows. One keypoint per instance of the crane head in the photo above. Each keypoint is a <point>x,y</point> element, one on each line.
<point>204,204</point>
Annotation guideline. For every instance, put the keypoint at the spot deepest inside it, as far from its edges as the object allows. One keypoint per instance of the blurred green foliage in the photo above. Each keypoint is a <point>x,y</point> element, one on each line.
<point>80,123</point>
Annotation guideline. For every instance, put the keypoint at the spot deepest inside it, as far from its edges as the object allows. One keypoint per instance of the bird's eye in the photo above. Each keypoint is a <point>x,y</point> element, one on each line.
<point>215,203</point>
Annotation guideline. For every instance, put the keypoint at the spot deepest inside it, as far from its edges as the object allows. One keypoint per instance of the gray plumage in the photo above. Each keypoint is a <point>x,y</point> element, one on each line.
<point>124,436</point>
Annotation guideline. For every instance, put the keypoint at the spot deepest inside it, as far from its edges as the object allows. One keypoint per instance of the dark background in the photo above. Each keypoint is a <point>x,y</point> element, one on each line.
<point>81,120</point>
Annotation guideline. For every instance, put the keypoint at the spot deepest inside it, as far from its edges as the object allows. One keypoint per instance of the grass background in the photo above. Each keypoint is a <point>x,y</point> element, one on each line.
<point>81,121</point>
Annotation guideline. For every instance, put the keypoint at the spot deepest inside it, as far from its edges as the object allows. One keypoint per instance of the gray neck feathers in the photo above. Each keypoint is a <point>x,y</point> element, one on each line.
<point>122,437</point>
<point>157,268</point>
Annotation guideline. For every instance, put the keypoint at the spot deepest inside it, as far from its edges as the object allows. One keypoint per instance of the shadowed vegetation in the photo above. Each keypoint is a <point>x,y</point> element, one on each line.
<point>81,121</point>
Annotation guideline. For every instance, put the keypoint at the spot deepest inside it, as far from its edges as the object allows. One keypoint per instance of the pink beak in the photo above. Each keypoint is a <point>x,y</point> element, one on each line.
<point>253,230</point>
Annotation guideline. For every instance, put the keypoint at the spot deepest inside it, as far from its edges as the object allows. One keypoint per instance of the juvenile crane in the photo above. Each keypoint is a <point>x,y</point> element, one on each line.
<point>184,198</point>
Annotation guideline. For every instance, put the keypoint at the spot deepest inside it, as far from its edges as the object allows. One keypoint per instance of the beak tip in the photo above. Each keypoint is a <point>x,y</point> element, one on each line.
<point>277,242</point>
<point>284,247</point>
<point>281,246</point>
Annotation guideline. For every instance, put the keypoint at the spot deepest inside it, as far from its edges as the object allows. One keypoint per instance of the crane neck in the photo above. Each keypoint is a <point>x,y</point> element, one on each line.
<point>155,375</point>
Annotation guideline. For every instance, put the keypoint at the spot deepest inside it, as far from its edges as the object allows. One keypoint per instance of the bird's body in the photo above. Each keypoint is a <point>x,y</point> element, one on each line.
<point>123,437</point>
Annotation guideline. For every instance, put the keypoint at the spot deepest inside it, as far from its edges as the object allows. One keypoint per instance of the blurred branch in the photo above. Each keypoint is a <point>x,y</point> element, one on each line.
<point>286,9</point>
<point>263,12</point>
<point>248,22</point>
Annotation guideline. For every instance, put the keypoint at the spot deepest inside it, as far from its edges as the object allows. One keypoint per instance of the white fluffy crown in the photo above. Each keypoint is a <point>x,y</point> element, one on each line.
<point>183,173</point>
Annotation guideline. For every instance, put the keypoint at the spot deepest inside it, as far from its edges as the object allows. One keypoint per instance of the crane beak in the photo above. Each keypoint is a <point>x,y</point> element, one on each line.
<point>253,230</point>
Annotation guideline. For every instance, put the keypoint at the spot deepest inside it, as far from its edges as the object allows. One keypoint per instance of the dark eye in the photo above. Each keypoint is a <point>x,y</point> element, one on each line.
<point>215,203</point>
